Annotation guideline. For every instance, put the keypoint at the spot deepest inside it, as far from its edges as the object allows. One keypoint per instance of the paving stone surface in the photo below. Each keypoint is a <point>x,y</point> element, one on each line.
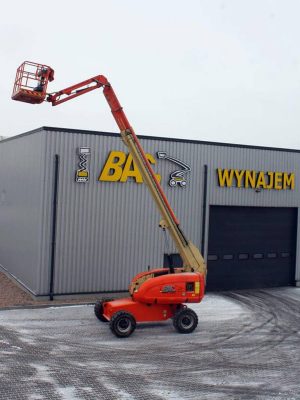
<point>247,346</point>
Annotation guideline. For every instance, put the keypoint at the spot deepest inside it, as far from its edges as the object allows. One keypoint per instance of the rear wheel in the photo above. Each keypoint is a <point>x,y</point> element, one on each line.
<point>185,320</point>
<point>98,309</point>
<point>122,324</point>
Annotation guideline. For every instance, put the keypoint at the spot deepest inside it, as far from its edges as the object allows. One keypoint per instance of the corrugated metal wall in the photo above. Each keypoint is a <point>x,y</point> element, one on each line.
<point>108,231</point>
<point>21,178</point>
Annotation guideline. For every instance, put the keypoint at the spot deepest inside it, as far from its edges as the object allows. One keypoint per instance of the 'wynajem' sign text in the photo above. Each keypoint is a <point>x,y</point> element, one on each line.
<point>255,179</point>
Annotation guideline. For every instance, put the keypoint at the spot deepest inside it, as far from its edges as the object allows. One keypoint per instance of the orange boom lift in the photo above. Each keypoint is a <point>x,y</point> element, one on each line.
<point>157,294</point>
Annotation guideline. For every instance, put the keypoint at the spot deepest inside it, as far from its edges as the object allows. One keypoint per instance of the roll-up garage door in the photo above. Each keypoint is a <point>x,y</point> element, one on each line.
<point>251,247</point>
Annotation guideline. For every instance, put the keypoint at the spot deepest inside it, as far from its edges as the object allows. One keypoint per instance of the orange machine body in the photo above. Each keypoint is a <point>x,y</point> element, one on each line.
<point>158,298</point>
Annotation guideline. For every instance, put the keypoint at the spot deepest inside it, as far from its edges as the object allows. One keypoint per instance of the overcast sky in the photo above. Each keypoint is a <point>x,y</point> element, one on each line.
<point>217,70</point>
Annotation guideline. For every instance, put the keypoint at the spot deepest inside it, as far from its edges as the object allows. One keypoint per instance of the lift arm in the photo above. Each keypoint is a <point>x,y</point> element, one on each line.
<point>190,254</point>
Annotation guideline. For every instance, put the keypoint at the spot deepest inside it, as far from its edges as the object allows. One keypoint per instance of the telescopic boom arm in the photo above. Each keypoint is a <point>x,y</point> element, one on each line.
<point>192,259</point>
<point>190,254</point>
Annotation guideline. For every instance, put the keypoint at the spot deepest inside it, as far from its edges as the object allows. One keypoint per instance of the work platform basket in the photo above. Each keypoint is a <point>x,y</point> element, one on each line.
<point>31,82</point>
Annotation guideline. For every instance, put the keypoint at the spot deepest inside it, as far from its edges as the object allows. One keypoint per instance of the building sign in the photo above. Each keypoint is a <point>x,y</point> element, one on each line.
<point>120,166</point>
<point>82,174</point>
<point>256,179</point>
<point>176,177</point>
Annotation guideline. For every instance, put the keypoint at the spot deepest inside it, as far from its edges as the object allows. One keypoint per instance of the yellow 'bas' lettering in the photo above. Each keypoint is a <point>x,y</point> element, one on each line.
<point>256,179</point>
<point>120,166</point>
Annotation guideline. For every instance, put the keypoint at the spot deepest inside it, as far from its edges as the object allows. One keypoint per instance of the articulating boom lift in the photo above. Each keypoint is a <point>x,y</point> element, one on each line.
<point>155,295</point>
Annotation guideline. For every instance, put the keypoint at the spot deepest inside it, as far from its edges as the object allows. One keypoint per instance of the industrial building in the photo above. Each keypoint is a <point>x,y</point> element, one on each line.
<point>75,216</point>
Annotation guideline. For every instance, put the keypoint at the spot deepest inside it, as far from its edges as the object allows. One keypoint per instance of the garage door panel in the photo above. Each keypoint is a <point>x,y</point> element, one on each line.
<point>249,275</point>
<point>251,247</point>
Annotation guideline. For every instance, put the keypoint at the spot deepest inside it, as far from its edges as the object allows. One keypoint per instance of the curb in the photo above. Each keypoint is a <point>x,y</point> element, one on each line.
<point>33,306</point>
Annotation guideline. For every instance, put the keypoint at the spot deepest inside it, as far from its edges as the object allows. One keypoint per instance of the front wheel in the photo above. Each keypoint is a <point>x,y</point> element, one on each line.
<point>122,324</point>
<point>185,320</point>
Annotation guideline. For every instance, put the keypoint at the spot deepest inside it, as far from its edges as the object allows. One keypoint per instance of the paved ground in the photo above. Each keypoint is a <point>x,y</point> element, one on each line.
<point>247,346</point>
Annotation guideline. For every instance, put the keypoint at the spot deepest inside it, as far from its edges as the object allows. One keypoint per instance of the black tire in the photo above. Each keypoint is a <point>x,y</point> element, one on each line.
<point>122,324</point>
<point>98,309</point>
<point>185,320</point>
<point>179,308</point>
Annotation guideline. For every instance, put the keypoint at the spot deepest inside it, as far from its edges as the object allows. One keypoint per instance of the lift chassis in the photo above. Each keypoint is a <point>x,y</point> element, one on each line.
<point>157,294</point>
